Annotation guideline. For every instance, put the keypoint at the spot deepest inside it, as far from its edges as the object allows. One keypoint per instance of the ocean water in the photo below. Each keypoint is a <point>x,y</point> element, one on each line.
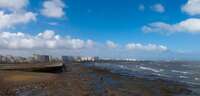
<point>183,72</point>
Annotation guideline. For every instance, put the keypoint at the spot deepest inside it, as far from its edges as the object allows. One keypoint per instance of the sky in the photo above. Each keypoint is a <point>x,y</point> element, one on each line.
<point>140,29</point>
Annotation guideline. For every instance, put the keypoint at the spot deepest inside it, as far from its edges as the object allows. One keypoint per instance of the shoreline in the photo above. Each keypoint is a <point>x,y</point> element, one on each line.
<point>83,81</point>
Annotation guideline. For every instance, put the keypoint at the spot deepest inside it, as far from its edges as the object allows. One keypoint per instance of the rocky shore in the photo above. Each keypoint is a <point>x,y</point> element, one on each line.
<point>83,81</point>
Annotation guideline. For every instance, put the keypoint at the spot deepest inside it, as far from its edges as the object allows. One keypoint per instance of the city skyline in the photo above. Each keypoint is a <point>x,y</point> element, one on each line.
<point>140,29</point>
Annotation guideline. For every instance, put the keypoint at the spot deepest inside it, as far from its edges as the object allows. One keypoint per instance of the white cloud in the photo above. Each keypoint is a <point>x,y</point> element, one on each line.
<point>17,13</point>
<point>159,27</point>
<point>192,7</point>
<point>111,44</point>
<point>48,42</point>
<point>9,20</point>
<point>90,43</point>
<point>47,39</point>
<point>148,47</point>
<point>158,8</point>
<point>53,8</point>
<point>48,34</point>
<point>189,25</point>
<point>13,4</point>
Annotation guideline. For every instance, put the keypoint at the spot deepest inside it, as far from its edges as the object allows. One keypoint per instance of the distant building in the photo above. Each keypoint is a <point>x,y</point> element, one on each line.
<point>4,59</point>
<point>67,59</point>
<point>11,59</point>
<point>87,59</point>
<point>79,59</point>
<point>20,59</point>
<point>41,58</point>
<point>130,59</point>
<point>1,59</point>
<point>96,58</point>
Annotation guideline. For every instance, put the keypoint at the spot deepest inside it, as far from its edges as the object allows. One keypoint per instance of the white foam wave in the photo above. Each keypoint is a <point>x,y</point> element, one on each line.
<point>196,78</point>
<point>184,77</point>
<point>150,69</point>
<point>182,72</point>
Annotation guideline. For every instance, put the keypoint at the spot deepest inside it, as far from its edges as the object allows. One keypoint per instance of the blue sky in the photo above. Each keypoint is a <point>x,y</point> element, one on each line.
<point>157,29</point>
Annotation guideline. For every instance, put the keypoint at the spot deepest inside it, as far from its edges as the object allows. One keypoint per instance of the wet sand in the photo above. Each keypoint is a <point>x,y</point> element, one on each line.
<point>82,81</point>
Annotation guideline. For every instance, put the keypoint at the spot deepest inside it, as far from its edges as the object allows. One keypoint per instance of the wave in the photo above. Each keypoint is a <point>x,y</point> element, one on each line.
<point>177,71</point>
<point>183,77</point>
<point>140,70</point>
<point>196,79</point>
<point>151,69</point>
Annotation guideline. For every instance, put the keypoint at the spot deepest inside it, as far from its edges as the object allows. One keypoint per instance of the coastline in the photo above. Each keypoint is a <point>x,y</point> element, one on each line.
<point>84,81</point>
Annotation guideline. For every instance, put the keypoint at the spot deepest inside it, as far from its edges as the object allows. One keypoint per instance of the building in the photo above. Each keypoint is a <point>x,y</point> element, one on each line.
<point>2,59</point>
<point>67,59</point>
<point>19,59</point>
<point>41,58</point>
<point>8,59</point>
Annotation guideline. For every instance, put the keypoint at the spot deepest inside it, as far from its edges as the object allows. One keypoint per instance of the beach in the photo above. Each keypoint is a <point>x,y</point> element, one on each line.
<point>79,80</point>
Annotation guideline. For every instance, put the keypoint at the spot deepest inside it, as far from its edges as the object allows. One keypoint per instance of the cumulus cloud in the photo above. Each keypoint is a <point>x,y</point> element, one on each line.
<point>13,4</point>
<point>192,7</point>
<point>49,42</point>
<point>10,20</point>
<point>47,39</point>
<point>111,44</point>
<point>189,25</point>
<point>158,8</point>
<point>17,14</point>
<point>90,43</point>
<point>53,8</point>
<point>48,34</point>
<point>148,47</point>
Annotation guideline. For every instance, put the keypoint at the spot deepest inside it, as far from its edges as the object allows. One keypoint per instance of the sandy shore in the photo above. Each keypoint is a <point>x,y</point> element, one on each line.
<point>82,81</point>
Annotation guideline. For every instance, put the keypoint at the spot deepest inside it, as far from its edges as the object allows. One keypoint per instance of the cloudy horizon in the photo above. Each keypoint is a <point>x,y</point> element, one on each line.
<point>141,30</point>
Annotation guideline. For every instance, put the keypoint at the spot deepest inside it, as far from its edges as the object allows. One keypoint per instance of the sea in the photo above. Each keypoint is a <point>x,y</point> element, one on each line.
<point>186,72</point>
